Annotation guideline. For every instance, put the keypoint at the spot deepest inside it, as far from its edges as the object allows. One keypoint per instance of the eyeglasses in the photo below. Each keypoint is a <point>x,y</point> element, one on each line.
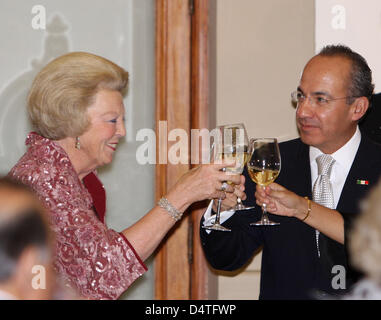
<point>298,97</point>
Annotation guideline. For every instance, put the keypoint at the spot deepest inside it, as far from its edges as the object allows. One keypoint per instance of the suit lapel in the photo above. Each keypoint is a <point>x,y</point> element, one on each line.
<point>303,166</point>
<point>295,173</point>
<point>362,169</point>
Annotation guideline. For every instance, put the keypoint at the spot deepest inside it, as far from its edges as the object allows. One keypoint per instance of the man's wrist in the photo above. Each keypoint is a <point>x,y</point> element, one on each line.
<point>305,209</point>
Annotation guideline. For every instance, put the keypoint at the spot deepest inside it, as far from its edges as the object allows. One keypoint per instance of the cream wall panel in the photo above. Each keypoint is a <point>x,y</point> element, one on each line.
<point>353,23</point>
<point>262,47</point>
<point>240,287</point>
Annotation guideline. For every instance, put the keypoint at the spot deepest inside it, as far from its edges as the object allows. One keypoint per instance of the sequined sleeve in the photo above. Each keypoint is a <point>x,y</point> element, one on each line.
<point>98,261</point>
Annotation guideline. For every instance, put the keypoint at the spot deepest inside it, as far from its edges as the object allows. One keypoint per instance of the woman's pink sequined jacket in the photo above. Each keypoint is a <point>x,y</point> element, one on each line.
<point>99,262</point>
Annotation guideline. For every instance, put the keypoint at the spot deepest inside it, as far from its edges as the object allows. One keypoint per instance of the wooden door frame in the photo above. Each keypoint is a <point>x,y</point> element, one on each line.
<point>182,101</point>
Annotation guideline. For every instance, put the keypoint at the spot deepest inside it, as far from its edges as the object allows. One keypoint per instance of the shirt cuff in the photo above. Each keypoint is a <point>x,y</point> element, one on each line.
<point>210,217</point>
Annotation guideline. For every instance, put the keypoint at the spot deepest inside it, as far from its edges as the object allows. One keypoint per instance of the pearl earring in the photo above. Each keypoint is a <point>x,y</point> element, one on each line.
<point>77,143</point>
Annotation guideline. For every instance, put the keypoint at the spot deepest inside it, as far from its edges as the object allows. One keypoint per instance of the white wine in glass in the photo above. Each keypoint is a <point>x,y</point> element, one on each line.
<point>239,153</point>
<point>264,167</point>
<point>261,176</point>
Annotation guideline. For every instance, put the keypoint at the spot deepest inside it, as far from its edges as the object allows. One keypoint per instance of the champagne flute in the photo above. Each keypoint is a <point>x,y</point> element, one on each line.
<point>264,167</point>
<point>245,147</point>
<point>229,145</point>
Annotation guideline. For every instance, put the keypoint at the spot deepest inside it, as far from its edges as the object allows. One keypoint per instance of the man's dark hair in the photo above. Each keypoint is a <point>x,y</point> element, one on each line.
<point>23,229</point>
<point>360,82</point>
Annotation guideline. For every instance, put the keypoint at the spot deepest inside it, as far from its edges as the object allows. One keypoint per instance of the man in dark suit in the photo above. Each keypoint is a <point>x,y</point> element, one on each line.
<point>298,262</point>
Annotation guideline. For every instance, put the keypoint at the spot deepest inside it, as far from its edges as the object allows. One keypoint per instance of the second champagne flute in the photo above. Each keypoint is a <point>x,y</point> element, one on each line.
<point>243,155</point>
<point>264,167</point>
<point>229,145</point>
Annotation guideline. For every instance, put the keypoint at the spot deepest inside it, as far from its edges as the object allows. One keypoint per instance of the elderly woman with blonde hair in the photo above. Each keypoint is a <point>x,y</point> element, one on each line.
<point>365,247</point>
<point>76,106</point>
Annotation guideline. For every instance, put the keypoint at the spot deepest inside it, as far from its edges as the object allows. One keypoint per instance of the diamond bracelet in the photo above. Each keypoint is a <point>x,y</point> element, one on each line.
<point>173,212</point>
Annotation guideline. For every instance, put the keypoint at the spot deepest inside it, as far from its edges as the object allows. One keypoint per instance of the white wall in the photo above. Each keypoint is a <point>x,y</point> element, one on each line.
<point>261,48</point>
<point>354,23</point>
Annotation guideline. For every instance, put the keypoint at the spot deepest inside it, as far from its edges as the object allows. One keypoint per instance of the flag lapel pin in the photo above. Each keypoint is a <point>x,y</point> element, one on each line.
<point>364,182</point>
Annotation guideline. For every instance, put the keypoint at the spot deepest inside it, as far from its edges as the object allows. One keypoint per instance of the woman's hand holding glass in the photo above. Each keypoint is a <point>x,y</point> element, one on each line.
<point>206,181</point>
<point>231,198</point>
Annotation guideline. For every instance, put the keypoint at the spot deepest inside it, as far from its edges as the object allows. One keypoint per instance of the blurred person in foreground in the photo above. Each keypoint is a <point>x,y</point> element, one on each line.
<point>76,106</point>
<point>325,175</point>
<point>25,245</point>
<point>365,248</point>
